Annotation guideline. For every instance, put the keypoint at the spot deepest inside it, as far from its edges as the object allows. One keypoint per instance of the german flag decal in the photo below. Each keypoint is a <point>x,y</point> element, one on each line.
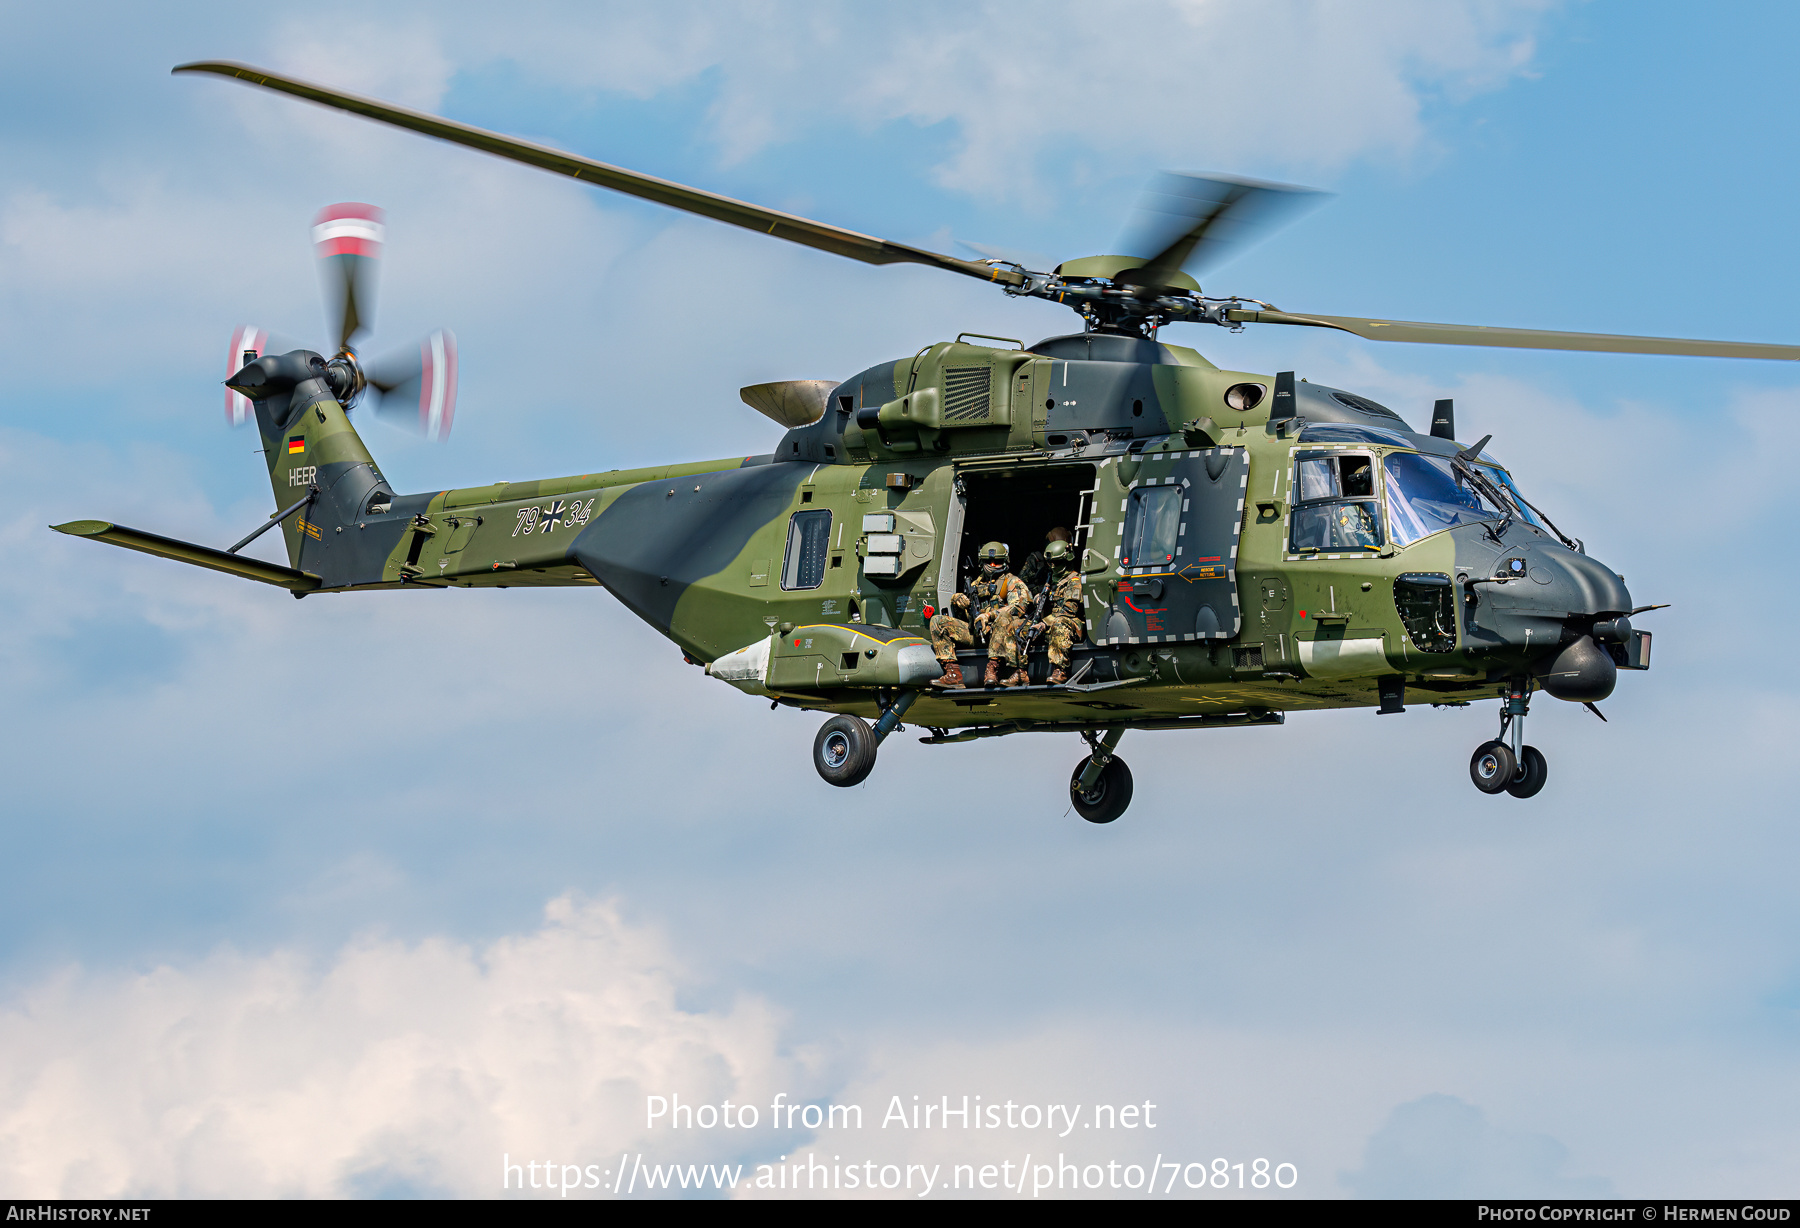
<point>296,444</point>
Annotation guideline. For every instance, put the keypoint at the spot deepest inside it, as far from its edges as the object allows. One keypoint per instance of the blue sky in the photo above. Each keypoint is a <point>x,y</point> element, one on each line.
<point>354,895</point>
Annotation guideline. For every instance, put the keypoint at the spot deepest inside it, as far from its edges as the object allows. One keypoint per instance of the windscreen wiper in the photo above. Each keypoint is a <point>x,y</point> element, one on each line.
<point>1505,495</point>
<point>1464,463</point>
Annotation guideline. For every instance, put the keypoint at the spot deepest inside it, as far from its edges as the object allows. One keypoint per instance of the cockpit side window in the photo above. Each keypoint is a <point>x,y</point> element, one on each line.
<point>1334,504</point>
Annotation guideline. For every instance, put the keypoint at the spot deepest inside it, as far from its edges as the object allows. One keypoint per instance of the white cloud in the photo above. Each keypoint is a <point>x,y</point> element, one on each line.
<point>1036,92</point>
<point>390,1065</point>
<point>1443,1147</point>
<point>1303,86</point>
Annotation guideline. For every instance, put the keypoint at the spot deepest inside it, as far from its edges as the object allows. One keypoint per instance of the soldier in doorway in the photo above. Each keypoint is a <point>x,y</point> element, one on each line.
<point>1035,571</point>
<point>1063,625</point>
<point>947,631</point>
<point>996,598</point>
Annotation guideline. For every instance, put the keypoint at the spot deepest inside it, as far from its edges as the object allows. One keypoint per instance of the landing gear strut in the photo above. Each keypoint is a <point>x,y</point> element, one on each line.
<point>1101,785</point>
<point>844,750</point>
<point>1507,765</point>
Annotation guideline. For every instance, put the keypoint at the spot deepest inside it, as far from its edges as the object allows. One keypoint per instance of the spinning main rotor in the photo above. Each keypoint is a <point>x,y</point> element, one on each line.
<point>1132,295</point>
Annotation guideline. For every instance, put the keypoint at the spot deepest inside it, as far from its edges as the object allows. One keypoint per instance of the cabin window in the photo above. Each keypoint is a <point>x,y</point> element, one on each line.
<point>1152,525</point>
<point>809,539</point>
<point>1334,504</point>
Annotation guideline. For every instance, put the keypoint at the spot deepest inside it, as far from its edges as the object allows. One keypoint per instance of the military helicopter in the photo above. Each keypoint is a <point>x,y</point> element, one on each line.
<point>1248,544</point>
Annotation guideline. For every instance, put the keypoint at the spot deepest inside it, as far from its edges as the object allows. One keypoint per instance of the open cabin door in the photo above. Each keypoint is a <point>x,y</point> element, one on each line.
<point>1176,549</point>
<point>949,549</point>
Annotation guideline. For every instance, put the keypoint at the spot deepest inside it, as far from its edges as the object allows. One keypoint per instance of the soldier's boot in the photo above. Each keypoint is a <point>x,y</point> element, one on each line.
<point>992,677</point>
<point>1018,677</point>
<point>952,679</point>
<point>1058,676</point>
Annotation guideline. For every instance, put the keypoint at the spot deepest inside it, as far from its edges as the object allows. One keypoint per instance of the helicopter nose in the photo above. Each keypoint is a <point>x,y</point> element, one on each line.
<point>1581,585</point>
<point>1544,579</point>
<point>1552,598</point>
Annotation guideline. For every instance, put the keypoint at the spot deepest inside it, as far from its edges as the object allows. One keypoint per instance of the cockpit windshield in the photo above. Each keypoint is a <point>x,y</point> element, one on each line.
<point>1426,495</point>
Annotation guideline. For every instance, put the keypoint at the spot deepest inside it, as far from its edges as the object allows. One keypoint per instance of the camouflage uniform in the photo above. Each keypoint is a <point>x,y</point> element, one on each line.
<point>1063,624</point>
<point>947,631</point>
<point>1005,599</point>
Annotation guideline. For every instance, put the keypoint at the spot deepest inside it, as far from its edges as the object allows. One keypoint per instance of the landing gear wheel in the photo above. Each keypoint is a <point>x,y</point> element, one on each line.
<point>844,751</point>
<point>1108,797</point>
<point>1492,767</point>
<point>1530,775</point>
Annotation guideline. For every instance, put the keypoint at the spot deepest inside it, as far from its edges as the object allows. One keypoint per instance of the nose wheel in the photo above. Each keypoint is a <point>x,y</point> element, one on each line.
<point>1531,773</point>
<point>1507,765</point>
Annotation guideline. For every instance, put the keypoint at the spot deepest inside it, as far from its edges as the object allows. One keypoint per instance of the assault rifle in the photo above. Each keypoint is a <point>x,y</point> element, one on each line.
<point>1030,631</point>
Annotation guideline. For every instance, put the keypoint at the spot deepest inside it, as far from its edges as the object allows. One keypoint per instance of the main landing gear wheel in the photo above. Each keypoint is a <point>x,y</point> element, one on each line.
<point>1530,775</point>
<point>844,751</point>
<point>1107,798</point>
<point>1493,767</point>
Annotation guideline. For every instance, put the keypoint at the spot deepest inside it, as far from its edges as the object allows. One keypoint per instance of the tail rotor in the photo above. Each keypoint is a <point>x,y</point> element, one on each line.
<point>413,388</point>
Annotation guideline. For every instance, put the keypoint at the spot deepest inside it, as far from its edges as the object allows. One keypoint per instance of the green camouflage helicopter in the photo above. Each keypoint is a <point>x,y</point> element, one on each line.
<point>1248,544</point>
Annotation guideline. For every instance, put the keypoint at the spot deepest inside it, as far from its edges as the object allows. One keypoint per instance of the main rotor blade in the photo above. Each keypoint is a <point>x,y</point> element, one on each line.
<point>794,229</point>
<point>1193,222</point>
<point>1520,338</point>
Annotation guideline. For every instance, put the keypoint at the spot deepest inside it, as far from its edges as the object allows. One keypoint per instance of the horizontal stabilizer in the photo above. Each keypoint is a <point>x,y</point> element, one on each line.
<point>188,552</point>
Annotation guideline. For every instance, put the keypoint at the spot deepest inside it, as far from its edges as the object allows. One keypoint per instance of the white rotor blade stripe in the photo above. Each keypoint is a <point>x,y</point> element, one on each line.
<point>438,397</point>
<point>350,228</point>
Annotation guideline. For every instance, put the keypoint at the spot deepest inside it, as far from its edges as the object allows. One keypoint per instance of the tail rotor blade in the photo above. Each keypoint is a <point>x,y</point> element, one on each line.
<point>247,345</point>
<point>417,388</point>
<point>348,239</point>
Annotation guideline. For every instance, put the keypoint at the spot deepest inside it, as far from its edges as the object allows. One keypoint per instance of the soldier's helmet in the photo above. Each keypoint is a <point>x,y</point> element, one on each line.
<point>1059,554</point>
<point>993,554</point>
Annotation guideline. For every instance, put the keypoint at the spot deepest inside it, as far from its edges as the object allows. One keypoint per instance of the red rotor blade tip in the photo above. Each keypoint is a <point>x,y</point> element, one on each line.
<point>248,339</point>
<point>349,230</point>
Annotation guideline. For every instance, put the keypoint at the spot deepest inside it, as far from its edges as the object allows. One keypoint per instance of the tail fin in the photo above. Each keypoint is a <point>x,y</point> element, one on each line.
<point>310,446</point>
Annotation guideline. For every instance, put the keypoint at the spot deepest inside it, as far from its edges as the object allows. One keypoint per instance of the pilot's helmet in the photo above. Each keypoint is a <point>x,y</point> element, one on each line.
<point>1058,534</point>
<point>993,555</point>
